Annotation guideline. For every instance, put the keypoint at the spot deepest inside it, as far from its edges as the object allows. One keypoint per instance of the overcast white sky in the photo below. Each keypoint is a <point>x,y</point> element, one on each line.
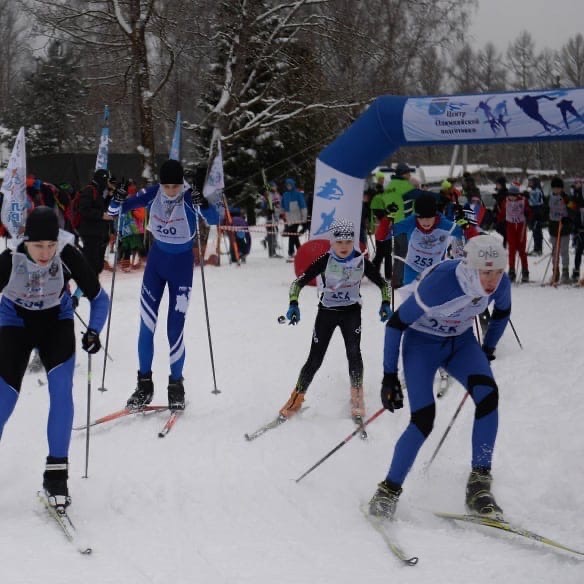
<point>550,22</point>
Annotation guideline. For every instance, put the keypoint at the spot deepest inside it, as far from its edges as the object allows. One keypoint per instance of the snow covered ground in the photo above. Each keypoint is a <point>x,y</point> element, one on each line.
<point>203,505</point>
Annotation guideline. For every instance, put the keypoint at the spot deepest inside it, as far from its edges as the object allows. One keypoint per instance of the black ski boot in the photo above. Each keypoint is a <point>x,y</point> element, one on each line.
<point>176,394</point>
<point>512,275</point>
<point>524,276</point>
<point>575,276</point>
<point>565,276</point>
<point>55,483</point>
<point>144,392</point>
<point>479,498</point>
<point>384,501</point>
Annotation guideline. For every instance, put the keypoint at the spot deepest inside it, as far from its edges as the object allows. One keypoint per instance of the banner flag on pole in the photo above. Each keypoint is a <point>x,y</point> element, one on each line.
<point>102,152</point>
<point>215,181</point>
<point>15,202</point>
<point>175,146</point>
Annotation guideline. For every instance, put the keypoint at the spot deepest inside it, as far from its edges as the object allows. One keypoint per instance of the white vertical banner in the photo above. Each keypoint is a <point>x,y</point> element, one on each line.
<point>14,201</point>
<point>336,196</point>
<point>174,153</point>
<point>215,181</point>
<point>103,149</point>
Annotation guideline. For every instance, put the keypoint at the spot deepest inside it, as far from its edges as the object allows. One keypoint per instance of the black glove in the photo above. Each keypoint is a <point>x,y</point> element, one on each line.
<point>392,396</point>
<point>199,200</point>
<point>120,194</point>
<point>391,208</point>
<point>90,341</point>
<point>489,352</point>
<point>74,301</point>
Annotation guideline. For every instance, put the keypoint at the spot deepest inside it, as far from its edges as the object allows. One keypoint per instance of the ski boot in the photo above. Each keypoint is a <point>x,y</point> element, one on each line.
<point>575,276</point>
<point>293,404</point>
<point>55,483</point>
<point>144,392</point>
<point>176,394</point>
<point>384,501</point>
<point>512,275</point>
<point>479,498</point>
<point>524,276</point>
<point>565,276</point>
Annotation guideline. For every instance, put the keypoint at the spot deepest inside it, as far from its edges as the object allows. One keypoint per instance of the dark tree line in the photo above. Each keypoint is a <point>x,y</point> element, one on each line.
<point>274,80</point>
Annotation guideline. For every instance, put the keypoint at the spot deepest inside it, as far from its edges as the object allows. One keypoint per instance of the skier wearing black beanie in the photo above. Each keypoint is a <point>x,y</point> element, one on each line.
<point>174,212</point>
<point>36,312</point>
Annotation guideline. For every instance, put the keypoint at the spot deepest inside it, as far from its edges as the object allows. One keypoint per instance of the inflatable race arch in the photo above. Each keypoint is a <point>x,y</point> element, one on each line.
<point>394,121</point>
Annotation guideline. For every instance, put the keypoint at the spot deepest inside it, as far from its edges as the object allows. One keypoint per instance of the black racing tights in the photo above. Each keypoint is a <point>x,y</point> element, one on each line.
<point>349,321</point>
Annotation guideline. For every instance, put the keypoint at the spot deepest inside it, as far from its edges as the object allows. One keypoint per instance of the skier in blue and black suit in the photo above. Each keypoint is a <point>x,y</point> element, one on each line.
<point>436,325</point>
<point>172,220</point>
<point>36,312</point>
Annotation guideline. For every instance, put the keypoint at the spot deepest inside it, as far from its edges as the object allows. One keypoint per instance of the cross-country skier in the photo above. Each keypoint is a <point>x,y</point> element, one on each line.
<point>421,240</point>
<point>436,325</point>
<point>36,312</point>
<point>341,270</point>
<point>172,219</point>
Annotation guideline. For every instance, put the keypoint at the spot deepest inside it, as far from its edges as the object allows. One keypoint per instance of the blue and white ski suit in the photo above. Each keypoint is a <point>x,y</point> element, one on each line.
<point>436,325</point>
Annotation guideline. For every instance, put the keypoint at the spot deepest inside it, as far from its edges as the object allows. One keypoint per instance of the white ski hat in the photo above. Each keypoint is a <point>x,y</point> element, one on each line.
<point>484,252</point>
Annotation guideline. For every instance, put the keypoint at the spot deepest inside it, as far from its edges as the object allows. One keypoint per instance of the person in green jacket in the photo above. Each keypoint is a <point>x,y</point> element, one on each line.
<point>389,208</point>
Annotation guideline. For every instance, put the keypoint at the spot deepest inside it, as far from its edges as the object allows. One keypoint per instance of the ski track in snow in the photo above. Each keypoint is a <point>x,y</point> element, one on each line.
<point>204,505</point>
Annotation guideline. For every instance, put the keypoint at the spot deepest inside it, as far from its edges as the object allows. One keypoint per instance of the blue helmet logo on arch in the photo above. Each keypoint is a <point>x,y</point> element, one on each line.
<point>331,190</point>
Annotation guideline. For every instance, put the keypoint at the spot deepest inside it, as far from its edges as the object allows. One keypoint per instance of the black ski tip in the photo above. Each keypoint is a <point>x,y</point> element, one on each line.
<point>161,434</point>
<point>411,561</point>
<point>86,551</point>
<point>246,436</point>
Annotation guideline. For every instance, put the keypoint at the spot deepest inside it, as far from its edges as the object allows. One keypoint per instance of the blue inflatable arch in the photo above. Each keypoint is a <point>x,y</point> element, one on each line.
<point>395,121</point>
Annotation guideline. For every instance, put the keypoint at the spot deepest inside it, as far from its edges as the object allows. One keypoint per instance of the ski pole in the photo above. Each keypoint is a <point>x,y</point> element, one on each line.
<point>202,265</point>
<point>340,444</point>
<point>85,325</point>
<point>88,414</point>
<point>102,387</point>
<point>427,467</point>
<point>515,333</point>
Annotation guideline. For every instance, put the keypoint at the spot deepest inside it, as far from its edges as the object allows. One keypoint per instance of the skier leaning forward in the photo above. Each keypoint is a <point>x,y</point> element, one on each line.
<point>36,312</point>
<point>436,324</point>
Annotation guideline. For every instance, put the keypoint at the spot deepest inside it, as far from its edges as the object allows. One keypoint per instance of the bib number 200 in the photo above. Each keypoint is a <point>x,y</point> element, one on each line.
<point>166,230</point>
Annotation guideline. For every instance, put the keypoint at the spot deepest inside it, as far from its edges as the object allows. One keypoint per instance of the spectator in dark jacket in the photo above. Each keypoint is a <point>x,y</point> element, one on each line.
<point>94,224</point>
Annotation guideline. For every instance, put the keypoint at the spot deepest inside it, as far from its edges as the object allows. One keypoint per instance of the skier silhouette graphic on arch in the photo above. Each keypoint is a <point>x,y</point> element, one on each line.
<point>529,104</point>
<point>567,107</point>
<point>327,221</point>
<point>486,109</point>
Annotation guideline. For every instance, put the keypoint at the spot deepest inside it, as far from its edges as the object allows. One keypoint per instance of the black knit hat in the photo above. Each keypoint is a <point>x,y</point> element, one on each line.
<point>42,225</point>
<point>557,183</point>
<point>425,206</point>
<point>171,173</point>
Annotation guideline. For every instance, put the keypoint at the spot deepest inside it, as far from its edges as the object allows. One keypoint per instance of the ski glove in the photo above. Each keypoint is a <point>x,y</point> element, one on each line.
<point>90,341</point>
<point>391,210</point>
<point>489,352</point>
<point>199,200</point>
<point>392,396</point>
<point>120,194</point>
<point>385,311</point>
<point>293,314</point>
